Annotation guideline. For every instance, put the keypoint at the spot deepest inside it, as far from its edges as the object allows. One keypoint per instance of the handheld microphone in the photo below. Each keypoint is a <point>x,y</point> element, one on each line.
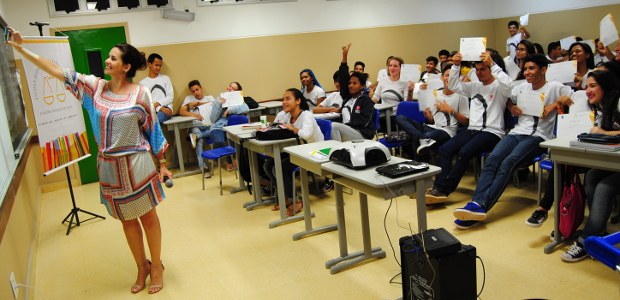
<point>36,23</point>
<point>168,182</point>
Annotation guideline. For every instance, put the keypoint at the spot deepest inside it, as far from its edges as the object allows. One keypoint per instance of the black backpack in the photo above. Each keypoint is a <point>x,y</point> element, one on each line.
<point>275,131</point>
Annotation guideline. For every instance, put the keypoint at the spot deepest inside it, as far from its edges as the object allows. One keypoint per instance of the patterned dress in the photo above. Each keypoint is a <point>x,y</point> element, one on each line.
<point>126,129</point>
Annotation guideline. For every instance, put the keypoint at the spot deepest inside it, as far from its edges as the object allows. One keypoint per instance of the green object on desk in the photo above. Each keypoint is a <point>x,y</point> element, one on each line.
<point>325,151</point>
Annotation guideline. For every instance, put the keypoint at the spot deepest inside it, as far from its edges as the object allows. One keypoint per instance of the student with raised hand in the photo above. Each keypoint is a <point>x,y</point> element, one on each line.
<point>200,132</point>
<point>312,89</point>
<point>450,111</point>
<point>602,53</point>
<point>296,117</point>
<point>601,186</point>
<point>486,123</point>
<point>126,130</point>
<point>516,35</point>
<point>160,87</point>
<point>582,53</point>
<point>358,110</point>
<point>521,144</point>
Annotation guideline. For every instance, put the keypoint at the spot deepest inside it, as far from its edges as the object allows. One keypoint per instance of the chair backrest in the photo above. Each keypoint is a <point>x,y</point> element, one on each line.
<point>237,119</point>
<point>410,109</point>
<point>326,128</point>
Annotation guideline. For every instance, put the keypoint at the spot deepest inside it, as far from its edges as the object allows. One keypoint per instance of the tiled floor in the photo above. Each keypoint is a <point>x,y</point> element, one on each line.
<point>215,249</point>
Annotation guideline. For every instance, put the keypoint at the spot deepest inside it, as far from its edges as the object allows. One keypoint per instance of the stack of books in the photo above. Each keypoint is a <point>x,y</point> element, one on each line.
<point>602,147</point>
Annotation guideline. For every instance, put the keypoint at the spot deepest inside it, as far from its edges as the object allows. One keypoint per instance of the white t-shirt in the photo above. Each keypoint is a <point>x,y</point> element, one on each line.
<point>511,44</point>
<point>488,102</point>
<point>209,106</point>
<point>391,92</point>
<point>333,100</point>
<point>161,89</point>
<point>537,126</point>
<point>314,96</point>
<point>444,121</point>
<point>309,130</point>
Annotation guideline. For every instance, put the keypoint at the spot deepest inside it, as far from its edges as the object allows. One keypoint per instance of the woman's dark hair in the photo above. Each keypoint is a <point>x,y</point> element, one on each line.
<point>587,49</point>
<point>529,49</point>
<point>297,94</point>
<point>539,48</point>
<point>362,77</point>
<point>131,56</point>
<point>314,79</point>
<point>609,102</point>
<point>497,58</point>
<point>239,88</point>
<point>153,56</point>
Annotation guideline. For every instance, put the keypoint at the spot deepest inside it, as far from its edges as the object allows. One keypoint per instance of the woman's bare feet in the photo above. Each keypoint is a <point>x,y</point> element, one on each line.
<point>143,272</point>
<point>294,208</point>
<point>157,278</point>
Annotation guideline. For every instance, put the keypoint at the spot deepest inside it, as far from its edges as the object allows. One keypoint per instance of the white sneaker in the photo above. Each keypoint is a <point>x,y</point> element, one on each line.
<point>207,173</point>
<point>192,139</point>
<point>425,143</point>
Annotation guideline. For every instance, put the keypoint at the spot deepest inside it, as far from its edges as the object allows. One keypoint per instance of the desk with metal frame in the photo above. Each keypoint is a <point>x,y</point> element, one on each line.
<point>369,182</point>
<point>302,157</point>
<point>272,149</point>
<point>561,153</point>
<point>235,133</point>
<point>175,124</point>
<point>271,107</point>
<point>386,109</point>
<point>255,112</point>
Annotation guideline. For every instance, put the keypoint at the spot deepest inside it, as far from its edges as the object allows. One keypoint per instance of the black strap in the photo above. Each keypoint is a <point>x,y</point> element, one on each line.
<point>484,114</point>
<point>536,119</point>
<point>395,93</point>
<point>157,86</point>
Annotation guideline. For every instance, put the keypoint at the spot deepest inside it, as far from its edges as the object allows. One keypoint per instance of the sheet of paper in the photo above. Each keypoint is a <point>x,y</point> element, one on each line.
<point>511,67</point>
<point>382,74</point>
<point>573,124</point>
<point>232,98</point>
<point>471,48</point>
<point>428,96</point>
<point>608,31</point>
<point>580,102</point>
<point>205,112</point>
<point>524,19</point>
<point>531,103</point>
<point>410,72</point>
<point>591,44</point>
<point>562,72</point>
<point>567,41</point>
<point>321,154</point>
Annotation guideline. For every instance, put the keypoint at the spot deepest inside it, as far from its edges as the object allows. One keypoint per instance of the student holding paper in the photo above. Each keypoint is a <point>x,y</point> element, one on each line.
<point>128,136</point>
<point>554,53</point>
<point>392,90</point>
<point>219,119</point>
<point>516,35</point>
<point>601,186</point>
<point>312,89</point>
<point>449,110</point>
<point>582,53</point>
<point>486,123</point>
<point>535,102</point>
<point>431,68</point>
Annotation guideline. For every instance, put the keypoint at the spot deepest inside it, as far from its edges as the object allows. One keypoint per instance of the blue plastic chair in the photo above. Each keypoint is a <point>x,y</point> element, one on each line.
<point>410,110</point>
<point>219,153</point>
<point>604,249</point>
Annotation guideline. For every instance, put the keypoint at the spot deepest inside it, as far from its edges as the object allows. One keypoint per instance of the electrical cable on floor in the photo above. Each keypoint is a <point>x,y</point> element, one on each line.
<point>484,276</point>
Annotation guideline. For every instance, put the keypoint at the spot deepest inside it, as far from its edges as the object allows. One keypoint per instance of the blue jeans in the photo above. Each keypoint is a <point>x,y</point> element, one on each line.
<point>217,136</point>
<point>512,151</point>
<point>419,131</point>
<point>162,117</point>
<point>601,190</point>
<point>465,145</point>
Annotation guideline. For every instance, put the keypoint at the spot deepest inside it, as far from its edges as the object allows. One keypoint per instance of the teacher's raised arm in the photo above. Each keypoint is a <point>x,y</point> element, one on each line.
<point>44,64</point>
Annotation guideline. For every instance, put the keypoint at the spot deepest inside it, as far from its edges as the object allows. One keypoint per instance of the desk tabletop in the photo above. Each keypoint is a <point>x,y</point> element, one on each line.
<point>384,106</point>
<point>371,178</point>
<point>270,104</point>
<point>304,151</point>
<point>179,119</point>
<point>241,129</point>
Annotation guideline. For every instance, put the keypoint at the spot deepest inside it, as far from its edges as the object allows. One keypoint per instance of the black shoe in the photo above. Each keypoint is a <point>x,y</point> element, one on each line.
<point>537,219</point>
<point>328,185</point>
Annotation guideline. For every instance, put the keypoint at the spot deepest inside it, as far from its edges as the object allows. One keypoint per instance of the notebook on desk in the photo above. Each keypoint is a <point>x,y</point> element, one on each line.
<point>402,169</point>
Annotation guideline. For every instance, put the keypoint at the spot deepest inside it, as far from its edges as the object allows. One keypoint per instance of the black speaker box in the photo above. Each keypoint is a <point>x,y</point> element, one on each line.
<point>451,276</point>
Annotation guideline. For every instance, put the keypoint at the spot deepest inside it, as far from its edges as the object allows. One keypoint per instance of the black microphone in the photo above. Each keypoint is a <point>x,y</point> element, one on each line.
<point>39,23</point>
<point>168,181</point>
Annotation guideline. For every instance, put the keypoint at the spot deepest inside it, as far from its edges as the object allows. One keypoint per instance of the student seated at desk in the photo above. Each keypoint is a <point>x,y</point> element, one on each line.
<point>521,145</point>
<point>332,103</point>
<point>601,186</point>
<point>450,110</point>
<point>311,88</point>
<point>296,116</point>
<point>249,101</point>
<point>160,87</point>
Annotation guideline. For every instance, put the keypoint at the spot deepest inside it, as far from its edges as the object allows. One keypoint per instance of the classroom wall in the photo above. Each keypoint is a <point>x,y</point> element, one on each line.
<point>18,244</point>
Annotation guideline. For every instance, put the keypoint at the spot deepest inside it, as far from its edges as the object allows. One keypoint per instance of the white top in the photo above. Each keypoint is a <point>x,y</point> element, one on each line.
<point>208,99</point>
<point>488,102</point>
<point>333,100</point>
<point>391,92</point>
<point>511,44</point>
<point>444,121</point>
<point>537,126</point>
<point>161,90</point>
<point>309,130</point>
<point>314,96</point>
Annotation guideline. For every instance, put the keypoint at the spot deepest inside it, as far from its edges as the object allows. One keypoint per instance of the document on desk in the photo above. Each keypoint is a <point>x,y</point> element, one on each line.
<point>428,96</point>
<point>410,72</point>
<point>531,103</point>
<point>524,19</point>
<point>232,98</point>
<point>321,154</point>
<point>562,72</point>
<point>573,124</point>
<point>205,112</point>
<point>471,48</point>
<point>608,31</point>
<point>567,41</point>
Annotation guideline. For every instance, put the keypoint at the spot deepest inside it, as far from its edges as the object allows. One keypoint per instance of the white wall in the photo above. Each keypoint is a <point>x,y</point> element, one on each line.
<point>236,21</point>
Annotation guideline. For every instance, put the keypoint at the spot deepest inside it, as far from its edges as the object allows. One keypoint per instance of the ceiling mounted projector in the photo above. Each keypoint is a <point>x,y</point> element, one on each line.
<point>177,15</point>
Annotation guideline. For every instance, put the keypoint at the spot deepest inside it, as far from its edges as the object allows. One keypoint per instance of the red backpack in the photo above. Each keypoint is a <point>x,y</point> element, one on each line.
<point>572,204</point>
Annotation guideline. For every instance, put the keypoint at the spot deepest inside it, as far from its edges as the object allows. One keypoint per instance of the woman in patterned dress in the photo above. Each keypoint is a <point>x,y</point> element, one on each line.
<point>126,128</point>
